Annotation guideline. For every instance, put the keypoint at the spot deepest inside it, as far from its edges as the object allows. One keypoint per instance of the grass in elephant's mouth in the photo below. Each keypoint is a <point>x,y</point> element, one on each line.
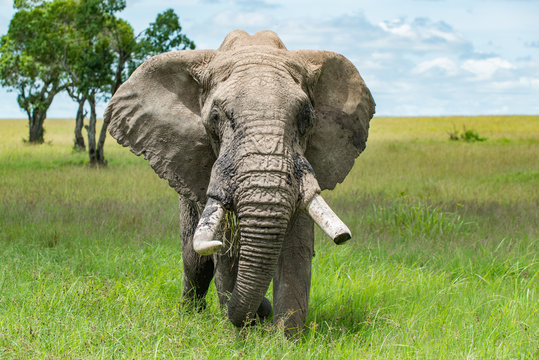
<point>231,233</point>
<point>443,263</point>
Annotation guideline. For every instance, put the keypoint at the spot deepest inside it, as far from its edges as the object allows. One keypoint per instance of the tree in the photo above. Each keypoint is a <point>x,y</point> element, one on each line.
<point>28,62</point>
<point>105,53</point>
<point>87,62</point>
<point>73,48</point>
<point>163,35</point>
<point>130,51</point>
<point>79,46</point>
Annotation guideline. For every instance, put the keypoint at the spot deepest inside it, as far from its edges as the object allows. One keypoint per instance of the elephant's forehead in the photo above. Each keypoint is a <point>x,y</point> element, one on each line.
<point>260,60</point>
<point>254,55</point>
<point>263,84</point>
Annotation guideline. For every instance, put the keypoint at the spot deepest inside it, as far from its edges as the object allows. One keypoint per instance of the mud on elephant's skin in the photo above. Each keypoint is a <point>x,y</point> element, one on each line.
<point>257,130</point>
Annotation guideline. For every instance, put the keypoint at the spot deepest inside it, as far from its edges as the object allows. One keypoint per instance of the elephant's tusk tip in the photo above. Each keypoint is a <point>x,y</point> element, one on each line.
<point>328,221</point>
<point>342,238</point>
<point>207,247</point>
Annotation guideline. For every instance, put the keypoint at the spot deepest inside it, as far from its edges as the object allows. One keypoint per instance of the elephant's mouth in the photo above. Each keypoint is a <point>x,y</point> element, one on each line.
<point>206,241</point>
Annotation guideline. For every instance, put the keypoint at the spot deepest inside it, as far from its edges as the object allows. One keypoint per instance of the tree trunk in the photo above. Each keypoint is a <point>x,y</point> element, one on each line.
<point>100,151</point>
<point>79,123</point>
<point>119,70</point>
<point>91,132</point>
<point>36,131</point>
<point>36,105</point>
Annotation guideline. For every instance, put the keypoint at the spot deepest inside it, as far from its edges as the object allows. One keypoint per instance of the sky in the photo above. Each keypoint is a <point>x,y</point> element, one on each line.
<point>418,57</point>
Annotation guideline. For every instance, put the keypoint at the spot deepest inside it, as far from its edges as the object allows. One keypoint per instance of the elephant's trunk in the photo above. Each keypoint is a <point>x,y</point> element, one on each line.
<point>267,184</point>
<point>263,215</point>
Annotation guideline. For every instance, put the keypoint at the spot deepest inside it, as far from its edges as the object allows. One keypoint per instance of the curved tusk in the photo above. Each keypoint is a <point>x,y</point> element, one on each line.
<point>204,241</point>
<point>328,220</point>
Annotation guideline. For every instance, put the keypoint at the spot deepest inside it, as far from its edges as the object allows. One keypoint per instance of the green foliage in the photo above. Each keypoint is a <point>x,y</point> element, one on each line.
<point>88,56</point>
<point>26,4</point>
<point>29,63</point>
<point>466,135</point>
<point>442,265</point>
<point>164,34</point>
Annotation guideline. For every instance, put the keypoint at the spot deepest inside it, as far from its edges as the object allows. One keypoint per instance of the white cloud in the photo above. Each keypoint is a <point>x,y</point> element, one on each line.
<point>443,64</point>
<point>422,34</point>
<point>484,69</point>
<point>396,27</point>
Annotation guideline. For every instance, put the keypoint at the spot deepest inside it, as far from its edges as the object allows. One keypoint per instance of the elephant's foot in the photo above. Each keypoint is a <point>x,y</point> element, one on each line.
<point>195,288</point>
<point>191,302</point>
<point>292,323</point>
<point>264,310</point>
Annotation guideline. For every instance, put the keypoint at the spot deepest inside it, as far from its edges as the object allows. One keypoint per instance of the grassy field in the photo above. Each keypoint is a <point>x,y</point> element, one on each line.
<point>443,263</point>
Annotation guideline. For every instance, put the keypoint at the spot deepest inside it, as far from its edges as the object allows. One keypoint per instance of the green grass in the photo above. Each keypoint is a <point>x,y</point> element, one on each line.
<point>443,263</point>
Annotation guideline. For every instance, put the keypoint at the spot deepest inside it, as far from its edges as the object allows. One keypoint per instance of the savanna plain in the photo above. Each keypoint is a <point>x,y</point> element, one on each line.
<point>443,263</point>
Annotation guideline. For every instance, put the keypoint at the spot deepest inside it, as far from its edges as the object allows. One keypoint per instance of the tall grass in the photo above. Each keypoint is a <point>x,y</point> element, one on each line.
<point>443,263</point>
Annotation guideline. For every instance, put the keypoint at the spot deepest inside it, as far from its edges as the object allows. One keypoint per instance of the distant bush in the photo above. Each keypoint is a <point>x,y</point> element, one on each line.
<point>466,135</point>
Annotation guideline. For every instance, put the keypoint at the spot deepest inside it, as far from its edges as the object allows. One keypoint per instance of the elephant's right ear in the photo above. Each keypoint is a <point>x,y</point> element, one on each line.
<point>343,108</point>
<point>156,113</point>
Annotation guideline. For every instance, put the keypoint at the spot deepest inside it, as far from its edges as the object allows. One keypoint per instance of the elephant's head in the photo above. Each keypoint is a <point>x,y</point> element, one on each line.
<point>253,128</point>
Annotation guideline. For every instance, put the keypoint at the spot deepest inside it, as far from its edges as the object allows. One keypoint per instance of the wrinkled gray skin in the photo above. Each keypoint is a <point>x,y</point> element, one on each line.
<point>262,130</point>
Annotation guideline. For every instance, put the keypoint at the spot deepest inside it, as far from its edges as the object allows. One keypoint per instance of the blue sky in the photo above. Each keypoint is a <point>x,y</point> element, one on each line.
<point>418,57</point>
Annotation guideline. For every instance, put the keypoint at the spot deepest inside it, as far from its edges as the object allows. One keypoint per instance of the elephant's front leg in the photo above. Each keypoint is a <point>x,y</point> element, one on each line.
<point>292,280</point>
<point>197,269</point>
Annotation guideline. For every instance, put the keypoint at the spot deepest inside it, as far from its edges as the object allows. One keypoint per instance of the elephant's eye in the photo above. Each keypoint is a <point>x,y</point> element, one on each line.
<point>214,116</point>
<point>305,119</point>
<point>212,124</point>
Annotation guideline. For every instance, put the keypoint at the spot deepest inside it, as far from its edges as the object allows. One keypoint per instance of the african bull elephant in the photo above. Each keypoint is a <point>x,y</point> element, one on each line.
<point>258,131</point>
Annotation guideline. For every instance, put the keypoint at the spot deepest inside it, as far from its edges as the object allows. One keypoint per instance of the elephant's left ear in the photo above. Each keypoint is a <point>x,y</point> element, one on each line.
<point>156,113</point>
<point>343,108</point>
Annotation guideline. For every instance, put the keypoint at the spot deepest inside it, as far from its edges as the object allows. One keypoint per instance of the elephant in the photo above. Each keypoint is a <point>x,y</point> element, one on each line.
<point>250,133</point>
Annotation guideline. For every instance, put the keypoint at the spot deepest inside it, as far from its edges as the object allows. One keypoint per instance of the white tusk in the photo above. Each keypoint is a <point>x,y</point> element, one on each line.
<point>204,241</point>
<point>328,220</point>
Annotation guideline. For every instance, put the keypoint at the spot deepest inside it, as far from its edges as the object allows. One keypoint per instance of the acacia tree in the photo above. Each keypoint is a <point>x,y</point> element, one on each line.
<point>108,53</point>
<point>162,35</point>
<point>88,61</point>
<point>28,63</point>
<point>82,47</point>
